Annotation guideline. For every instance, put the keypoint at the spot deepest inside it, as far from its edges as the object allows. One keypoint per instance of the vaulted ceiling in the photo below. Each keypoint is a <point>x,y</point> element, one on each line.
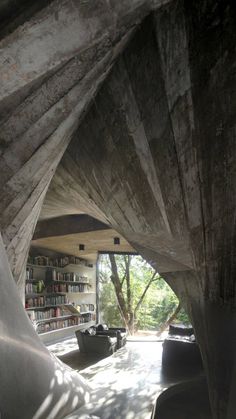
<point>126,113</point>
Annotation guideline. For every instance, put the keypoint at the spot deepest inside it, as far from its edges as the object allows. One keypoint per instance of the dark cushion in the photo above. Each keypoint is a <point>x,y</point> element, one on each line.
<point>102,327</point>
<point>91,331</point>
<point>181,330</point>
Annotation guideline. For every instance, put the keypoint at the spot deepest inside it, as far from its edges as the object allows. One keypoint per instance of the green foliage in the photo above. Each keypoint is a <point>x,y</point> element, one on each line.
<point>159,302</point>
<point>183,317</point>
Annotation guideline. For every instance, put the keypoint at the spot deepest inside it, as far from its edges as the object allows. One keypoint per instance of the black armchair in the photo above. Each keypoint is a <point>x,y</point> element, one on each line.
<point>119,332</point>
<point>93,343</point>
<point>180,347</point>
<point>99,339</point>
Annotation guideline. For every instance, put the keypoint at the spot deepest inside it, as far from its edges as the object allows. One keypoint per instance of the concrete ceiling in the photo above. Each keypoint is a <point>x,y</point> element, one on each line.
<point>94,242</point>
<point>64,234</point>
<point>129,106</point>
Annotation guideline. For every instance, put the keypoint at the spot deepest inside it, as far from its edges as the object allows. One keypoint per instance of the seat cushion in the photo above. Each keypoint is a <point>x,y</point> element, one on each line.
<point>180,352</point>
<point>181,330</point>
<point>101,327</point>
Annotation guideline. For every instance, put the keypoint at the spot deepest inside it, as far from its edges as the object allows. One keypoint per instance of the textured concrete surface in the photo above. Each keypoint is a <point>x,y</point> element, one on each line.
<point>131,114</point>
<point>34,383</point>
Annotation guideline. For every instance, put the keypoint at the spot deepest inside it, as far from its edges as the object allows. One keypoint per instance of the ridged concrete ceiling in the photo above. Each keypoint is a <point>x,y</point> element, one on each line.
<point>132,117</point>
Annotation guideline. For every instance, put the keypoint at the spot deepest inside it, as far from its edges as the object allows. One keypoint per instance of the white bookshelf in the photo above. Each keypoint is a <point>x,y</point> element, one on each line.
<point>54,311</point>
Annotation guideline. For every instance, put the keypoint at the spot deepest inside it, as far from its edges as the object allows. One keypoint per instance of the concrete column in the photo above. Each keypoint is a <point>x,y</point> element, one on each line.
<point>217,338</point>
<point>214,324</point>
<point>34,384</point>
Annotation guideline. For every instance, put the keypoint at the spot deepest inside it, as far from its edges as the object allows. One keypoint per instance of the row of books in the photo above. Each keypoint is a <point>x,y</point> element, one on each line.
<point>57,324</point>
<point>67,288</point>
<point>54,275</point>
<point>61,262</point>
<point>61,324</point>
<point>42,301</point>
<point>88,317</point>
<point>55,300</point>
<point>34,288</point>
<point>29,273</point>
<point>70,260</point>
<point>35,315</point>
<point>85,307</point>
<point>79,288</point>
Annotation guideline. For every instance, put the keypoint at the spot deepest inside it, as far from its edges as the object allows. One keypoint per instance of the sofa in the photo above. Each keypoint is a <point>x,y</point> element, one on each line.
<point>119,332</point>
<point>97,344</point>
<point>101,340</point>
<point>180,348</point>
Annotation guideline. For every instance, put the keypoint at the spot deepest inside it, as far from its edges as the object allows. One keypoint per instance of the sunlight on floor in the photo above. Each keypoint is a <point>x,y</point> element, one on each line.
<point>124,385</point>
<point>63,347</point>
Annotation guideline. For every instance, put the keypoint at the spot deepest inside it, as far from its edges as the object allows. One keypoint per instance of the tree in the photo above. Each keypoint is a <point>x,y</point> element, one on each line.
<point>122,285</point>
<point>134,295</point>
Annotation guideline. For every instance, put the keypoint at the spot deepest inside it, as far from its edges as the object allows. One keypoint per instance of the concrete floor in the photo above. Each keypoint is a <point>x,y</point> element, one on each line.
<point>125,385</point>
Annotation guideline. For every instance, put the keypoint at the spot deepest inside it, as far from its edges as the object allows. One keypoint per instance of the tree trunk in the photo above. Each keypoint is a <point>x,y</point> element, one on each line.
<point>169,320</point>
<point>128,286</point>
<point>118,290</point>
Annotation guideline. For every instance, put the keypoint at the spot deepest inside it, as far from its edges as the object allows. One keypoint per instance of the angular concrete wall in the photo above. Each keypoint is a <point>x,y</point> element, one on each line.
<point>51,67</point>
<point>52,64</point>
<point>163,172</point>
<point>154,155</point>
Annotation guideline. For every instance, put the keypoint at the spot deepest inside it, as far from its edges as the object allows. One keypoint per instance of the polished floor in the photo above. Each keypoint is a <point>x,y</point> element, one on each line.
<point>125,385</point>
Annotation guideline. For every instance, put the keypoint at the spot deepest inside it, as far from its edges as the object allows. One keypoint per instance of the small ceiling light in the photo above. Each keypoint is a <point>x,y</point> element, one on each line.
<point>81,246</point>
<point>116,240</point>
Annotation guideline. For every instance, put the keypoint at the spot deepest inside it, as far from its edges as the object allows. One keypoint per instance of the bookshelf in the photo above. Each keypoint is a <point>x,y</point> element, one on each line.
<point>60,294</point>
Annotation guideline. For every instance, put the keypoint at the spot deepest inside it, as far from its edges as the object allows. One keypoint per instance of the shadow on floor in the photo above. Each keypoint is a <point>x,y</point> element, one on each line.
<point>124,385</point>
<point>127,384</point>
<point>78,360</point>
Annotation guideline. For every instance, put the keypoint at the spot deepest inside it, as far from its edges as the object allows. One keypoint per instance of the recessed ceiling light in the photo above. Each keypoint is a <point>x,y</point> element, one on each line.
<point>116,240</point>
